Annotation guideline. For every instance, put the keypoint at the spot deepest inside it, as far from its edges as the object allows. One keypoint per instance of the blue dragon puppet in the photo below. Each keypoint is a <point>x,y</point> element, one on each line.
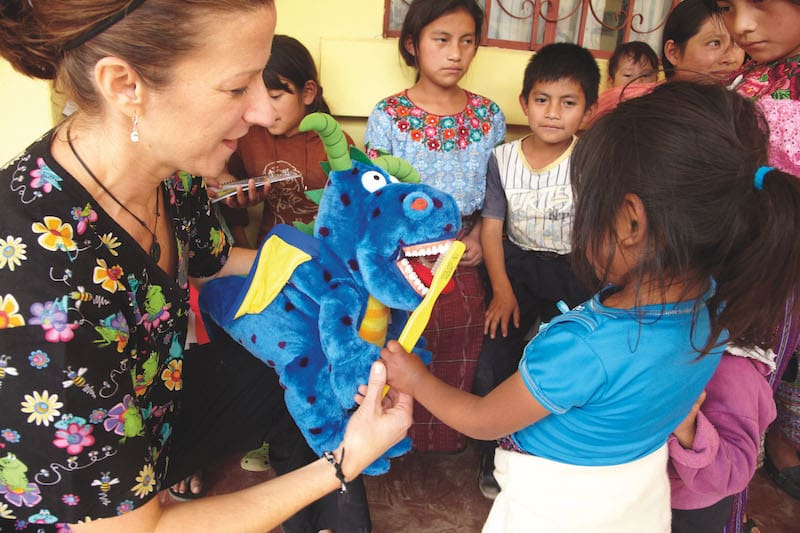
<point>317,308</point>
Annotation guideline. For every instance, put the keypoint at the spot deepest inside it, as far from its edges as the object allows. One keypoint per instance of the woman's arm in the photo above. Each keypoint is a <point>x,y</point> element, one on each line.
<point>508,408</point>
<point>374,427</point>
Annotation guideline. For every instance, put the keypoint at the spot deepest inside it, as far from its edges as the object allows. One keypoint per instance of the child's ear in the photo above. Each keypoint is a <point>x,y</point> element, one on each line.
<point>309,92</point>
<point>409,46</point>
<point>631,223</point>
<point>523,102</point>
<point>589,112</point>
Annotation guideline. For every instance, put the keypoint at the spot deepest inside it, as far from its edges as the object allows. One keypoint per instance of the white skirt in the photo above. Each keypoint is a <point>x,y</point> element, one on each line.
<point>542,495</point>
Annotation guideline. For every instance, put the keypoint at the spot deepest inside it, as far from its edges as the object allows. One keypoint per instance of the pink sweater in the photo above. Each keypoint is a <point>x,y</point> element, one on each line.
<point>737,410</point>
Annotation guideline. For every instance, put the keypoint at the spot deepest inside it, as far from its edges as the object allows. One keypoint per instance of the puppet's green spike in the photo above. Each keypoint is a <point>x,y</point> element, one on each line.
<point>397,167</point>
<point>308,229</point>
<point>315,195</point>
<point>358,155</point>
<point>332,138</point>
<point>326,167</point>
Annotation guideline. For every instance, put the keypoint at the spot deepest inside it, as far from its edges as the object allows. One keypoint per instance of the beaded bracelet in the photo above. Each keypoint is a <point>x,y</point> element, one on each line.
<point>338,466</point>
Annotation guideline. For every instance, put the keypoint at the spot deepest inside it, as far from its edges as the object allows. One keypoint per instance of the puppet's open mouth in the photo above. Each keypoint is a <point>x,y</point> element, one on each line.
<point>418,264</point>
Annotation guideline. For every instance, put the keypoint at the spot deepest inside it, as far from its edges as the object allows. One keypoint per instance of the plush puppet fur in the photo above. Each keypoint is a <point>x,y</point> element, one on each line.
<point>300,308</point>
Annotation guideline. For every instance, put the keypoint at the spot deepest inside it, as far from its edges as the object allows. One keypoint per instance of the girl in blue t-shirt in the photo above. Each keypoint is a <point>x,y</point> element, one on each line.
<point>676,219</point>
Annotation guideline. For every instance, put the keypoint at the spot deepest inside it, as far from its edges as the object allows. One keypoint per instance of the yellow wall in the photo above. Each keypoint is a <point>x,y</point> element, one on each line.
<point>24,111</point>
<point>357,68</point>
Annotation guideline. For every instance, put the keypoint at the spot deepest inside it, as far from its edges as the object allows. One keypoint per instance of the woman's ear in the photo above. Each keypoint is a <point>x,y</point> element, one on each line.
<point>672,52</point>
<point>119,84</point>
<point>309,92</point>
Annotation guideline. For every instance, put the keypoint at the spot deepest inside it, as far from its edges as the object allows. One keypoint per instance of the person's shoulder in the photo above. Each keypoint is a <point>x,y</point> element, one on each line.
<point>507,149</point>
<point>393,100</point>
<point>583,320</point>
<point>38,148</point>
<point>476,100</point>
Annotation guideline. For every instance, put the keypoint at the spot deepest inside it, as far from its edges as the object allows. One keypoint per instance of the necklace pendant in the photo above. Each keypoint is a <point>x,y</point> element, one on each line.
<point>155,251</point>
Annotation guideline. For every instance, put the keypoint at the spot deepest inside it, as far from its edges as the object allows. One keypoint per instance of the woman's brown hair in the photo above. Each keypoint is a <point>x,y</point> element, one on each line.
<point>35,37</point>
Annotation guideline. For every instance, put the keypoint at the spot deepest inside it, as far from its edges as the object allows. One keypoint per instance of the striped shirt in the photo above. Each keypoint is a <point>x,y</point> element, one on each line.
<point>535,203</point>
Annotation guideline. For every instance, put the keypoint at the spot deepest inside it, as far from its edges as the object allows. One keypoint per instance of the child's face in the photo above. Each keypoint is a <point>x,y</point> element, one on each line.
<point>766,29</point>
<point>446,48</point>
<point>555,110</point>
<point>709,52</point>
<point>289,107</point>
<point>627,70</point>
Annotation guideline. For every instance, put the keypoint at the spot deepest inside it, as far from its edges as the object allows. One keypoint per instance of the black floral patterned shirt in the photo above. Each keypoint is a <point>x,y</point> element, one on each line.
<point>91,344</point>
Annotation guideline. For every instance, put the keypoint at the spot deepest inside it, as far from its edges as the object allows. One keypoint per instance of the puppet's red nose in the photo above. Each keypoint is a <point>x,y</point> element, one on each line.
<point>419,204</point>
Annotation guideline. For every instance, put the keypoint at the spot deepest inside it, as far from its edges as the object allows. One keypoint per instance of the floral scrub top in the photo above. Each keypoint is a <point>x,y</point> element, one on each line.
<point>775,87</point>
<point>91,344</point>
<point>449,152</point>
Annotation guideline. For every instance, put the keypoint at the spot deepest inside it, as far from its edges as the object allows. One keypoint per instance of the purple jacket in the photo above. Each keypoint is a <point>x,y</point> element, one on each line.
<point>736,412</point>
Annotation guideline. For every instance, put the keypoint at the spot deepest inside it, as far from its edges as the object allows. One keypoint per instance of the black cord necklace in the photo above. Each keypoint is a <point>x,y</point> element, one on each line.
<point>155,248</point>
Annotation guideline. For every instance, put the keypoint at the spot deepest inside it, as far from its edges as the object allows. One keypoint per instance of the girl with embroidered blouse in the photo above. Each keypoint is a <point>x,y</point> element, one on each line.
<point>767,31</point>
<point>675,235</point>
<point>447,133</point>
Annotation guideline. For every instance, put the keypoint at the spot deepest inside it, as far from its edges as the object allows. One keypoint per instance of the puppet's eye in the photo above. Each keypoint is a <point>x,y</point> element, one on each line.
<point>372,180</point>
<point>393,179</point>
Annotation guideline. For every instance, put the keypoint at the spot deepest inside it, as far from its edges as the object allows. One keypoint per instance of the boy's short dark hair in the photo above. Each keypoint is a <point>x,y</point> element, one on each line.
<point>560,61</point>
<point>636,51</point>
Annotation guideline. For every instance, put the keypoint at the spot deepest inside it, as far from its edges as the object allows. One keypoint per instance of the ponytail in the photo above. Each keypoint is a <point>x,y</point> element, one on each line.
<point>760,279</point>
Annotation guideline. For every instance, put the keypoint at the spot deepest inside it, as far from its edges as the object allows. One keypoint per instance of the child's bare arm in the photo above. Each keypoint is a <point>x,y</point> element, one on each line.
<point>504,306</point>
<point>508,408</point>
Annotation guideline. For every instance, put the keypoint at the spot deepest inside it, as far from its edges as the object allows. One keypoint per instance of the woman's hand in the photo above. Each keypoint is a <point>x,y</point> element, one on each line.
<point>377,424</point>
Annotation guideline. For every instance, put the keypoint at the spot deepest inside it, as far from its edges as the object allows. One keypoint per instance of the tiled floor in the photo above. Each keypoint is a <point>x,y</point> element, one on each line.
<point>437,493</point>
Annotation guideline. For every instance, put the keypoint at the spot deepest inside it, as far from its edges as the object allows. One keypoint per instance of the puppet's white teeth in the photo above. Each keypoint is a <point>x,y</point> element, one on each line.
<point>418,250</point>
<point>411,277</point>
<point>440,259</point>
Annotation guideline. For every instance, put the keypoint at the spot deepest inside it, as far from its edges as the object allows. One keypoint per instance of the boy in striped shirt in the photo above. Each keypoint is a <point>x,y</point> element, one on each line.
<point>529,200</point>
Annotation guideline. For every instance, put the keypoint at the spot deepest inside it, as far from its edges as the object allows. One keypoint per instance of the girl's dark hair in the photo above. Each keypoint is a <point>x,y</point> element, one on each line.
<point>423,12</point>
<point>636,51</point>
<point>690,153</point>
<point>683,23</point>
<point>291,60</point>
<point>34,38</point>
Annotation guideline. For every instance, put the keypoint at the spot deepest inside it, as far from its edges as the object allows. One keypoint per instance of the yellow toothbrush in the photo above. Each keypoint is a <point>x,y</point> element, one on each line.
<point>447,264</point>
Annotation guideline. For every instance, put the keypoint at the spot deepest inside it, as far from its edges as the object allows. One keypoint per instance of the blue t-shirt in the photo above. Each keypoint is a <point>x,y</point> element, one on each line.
<point>617,382</point>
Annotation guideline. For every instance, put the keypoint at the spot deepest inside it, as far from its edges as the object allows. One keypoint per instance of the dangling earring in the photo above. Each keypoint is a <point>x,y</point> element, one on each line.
<point>135,130</point>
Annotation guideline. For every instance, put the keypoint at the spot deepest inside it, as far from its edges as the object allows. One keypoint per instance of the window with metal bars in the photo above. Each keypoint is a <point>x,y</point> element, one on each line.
<point>599,25</point>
